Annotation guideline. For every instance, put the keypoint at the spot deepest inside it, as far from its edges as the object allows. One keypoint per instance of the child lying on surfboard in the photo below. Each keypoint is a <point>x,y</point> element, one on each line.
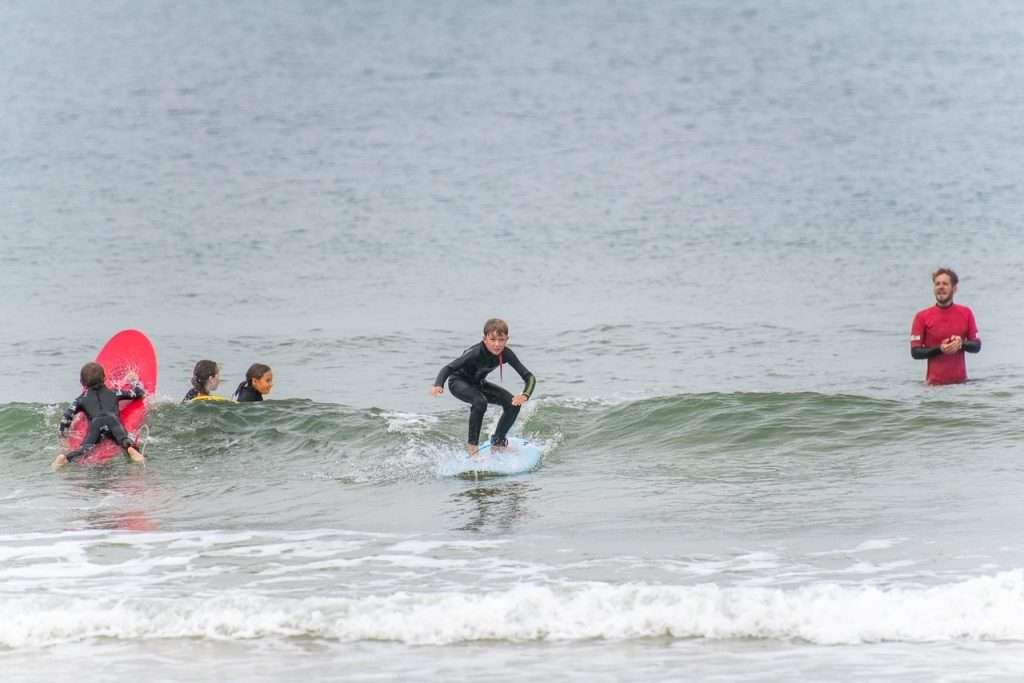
<point>100,405</point>
<point>468,382</point>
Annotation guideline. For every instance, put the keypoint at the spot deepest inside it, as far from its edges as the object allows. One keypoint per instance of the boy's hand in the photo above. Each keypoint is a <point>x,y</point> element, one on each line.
<point>436,391</point>
<point>520,399</point>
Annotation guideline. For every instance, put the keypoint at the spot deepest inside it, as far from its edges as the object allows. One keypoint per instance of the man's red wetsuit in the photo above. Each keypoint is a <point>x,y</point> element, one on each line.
<point>936,324</point>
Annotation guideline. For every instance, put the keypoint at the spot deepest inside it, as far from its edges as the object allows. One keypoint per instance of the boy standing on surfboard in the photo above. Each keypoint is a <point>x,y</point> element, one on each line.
<point>100,405</point>
<point>468,382</point>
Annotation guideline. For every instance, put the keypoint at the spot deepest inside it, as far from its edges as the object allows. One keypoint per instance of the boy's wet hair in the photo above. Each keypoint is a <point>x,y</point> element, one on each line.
<point>946,271</point>
<point>201,373</point>
<point>92,375</point>
<point>496,325</point>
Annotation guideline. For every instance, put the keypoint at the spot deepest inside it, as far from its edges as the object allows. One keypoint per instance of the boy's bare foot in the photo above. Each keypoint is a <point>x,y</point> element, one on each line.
<point>59,462</point>
<point>473,450</point>
<point>136,456</point>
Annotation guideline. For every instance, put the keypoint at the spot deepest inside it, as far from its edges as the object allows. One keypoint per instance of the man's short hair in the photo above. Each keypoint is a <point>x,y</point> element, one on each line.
<point>946,271</point>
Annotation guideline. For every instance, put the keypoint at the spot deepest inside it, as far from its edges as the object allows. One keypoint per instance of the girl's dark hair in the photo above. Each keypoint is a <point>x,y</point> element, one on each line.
<point>92,375</point>
<point>203,371</point>
<point>255,371</point>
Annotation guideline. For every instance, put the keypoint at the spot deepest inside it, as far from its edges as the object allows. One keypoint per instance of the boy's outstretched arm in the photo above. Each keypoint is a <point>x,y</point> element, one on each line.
<point>69,415</point>
<point>447,370</point>
<point>442,376</point>
<point>136,391</point>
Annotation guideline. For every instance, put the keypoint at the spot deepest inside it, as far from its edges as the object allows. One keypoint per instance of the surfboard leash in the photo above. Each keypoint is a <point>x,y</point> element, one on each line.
<point>143,438</point>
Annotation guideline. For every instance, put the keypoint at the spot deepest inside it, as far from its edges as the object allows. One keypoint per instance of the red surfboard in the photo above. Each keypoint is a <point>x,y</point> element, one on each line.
<point>129,354</point>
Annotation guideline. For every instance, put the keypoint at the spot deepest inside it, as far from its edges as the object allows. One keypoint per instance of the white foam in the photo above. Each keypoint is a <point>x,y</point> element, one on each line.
<point>866,546</point>
<point>987,608</point>
<point>53,409</point>
<point>872,568</point>
<point>582,403</point>
<point>70,551</point>
<point>409,423</point>
<point>878,544</point>
<point>421,547</point>
<point>757,561</point>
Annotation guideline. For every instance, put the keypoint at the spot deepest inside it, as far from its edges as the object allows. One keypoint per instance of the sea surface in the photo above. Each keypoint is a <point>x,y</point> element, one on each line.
<point>709,225</point>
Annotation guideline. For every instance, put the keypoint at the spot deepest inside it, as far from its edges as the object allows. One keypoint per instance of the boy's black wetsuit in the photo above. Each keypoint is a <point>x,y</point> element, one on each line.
<point>247,393</point>
<point>469,383</point>
<point>101,407</point>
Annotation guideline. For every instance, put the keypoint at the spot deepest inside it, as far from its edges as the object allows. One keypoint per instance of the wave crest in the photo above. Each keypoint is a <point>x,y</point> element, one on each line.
<point>982,608</point>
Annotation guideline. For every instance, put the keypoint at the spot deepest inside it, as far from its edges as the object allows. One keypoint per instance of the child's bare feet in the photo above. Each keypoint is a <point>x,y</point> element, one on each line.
<point>473,450</point>
<point>59,462</point>
<point>136,456</point>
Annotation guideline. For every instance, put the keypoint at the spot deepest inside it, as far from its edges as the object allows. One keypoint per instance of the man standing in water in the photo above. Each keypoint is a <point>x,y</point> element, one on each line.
<point>943,332</point>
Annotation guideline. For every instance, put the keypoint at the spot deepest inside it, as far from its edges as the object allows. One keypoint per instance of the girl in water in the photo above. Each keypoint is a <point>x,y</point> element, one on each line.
<point>259,380</point>
<point>205,380</point>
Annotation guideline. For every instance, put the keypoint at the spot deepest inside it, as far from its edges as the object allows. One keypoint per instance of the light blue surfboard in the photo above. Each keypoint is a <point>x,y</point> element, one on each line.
<point>520,456</point>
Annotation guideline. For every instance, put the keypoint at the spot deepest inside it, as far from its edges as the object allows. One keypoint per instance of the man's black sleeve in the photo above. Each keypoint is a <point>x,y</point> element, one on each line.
<point>922,352</point>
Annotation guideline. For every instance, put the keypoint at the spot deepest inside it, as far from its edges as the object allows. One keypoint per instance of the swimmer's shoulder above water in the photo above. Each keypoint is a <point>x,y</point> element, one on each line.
<point>259,380</point>
<point>205,380</point>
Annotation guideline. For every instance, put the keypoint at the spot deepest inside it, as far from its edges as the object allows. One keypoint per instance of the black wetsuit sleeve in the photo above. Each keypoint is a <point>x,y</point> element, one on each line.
<point>246,394</point>
<point>922,352</point>
<point>137,391</point>
<point>527,376</point>
<point>455,365</point>
<point>972,345</point>
<point>69,415</point>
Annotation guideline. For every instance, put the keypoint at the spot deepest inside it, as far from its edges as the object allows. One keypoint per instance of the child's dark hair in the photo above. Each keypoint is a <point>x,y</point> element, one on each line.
<point>92,375</point>
<point>255,371</point>
<point>201,373</point>
<point>496,325</point>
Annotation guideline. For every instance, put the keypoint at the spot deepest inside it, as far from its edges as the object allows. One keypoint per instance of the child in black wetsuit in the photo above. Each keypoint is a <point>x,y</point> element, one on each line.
<point>259,380</point>
<point>100,405</point>
<point>468,382</point>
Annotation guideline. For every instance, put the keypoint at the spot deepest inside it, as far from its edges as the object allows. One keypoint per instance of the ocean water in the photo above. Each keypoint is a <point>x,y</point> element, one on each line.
<point>709,226</point>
